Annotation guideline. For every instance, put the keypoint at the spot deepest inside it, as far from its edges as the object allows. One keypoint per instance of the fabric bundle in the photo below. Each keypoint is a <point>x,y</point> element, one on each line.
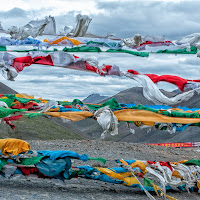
<point>152,92</point>
<point>181,83</point>
<point>11,66</point>
<point>107,114</point>
<point>157,176</point>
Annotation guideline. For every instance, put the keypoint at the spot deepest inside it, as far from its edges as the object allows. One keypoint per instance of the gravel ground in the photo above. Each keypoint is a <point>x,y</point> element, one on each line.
<point>81,189</point>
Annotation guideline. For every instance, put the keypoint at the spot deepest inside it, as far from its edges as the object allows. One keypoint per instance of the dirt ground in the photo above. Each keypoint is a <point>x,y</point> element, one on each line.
<point>79,188</point>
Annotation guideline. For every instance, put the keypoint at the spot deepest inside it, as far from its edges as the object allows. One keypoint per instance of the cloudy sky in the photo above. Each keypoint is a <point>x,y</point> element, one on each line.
<point>66,84</point>
<point>171,18</point>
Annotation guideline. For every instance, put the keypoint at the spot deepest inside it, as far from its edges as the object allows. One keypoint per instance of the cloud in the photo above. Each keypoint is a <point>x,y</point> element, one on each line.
<point>67,84</point>
<point>190,61</point>
<point>15,16</point>
<point>174,19</point>
<point>14,13</point>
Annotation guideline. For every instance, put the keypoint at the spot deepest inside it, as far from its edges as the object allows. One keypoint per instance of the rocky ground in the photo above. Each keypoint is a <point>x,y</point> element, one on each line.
<point>81,189</point>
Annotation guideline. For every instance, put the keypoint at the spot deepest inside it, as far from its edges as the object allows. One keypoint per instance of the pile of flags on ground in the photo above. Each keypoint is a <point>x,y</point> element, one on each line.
<point>18,160</point>
<point>160,117</point>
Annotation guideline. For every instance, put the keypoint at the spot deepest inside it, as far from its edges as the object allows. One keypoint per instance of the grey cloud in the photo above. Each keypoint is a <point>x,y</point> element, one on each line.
<point>190,61</point>
<point>124,18</point>
<point>65,19</point>
<point>20,17</point>
<point>14,13</point>
<point>173,20</point>
<point>13,17</point>
<point>66,84</point>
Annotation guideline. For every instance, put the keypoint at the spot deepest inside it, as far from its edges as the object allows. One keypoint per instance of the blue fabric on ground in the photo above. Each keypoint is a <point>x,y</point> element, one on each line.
<point>182,187</point>
<point>6,41</point>
<point>63,109</point>
<point>181,128</point>
<point>128,161</point>
<point>62,154</point>
<point>28,41</point>
<point>51,168</point>
<point>86,168</point>
<point>17,171</point>
<point>95,176</point>
<point>105,178</point>
<point>121,169</point>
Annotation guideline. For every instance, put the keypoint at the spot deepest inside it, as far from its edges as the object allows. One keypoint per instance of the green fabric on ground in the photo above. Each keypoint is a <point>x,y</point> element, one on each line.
<point>76,101</point>
<point>75,173</point>
<point>3,48</point>
<point>142,54</point>
<point>30,161</point>
<point>148,182</point>
<point>141,107</point>
<point>25,50</point>
<point>193,50</point>
<point>9,102</point>
<point>3,161</point>
<point>103,160</point>
<point>63,103</point>
<point>192,162</point>
<point>168,113</point>
<point>82,49</point>
<point>21,100</point>
<point>180,114</point>
<point>4,112</point>
<point>31,115</point>
<point>112,103</point>
<point>93,107</point>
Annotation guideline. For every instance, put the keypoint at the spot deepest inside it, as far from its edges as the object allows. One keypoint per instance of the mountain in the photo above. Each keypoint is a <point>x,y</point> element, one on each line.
<point>37,128</point>
<point>135,95</point>
<point>14,13</point>
<point>4,89</point>
<point>193,102</point>
<point>94,98</point>
<point>44,128</point>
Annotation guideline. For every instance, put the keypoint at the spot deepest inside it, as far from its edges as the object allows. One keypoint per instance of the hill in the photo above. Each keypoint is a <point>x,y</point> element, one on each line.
<point>194,102</point>
<point>93,129</point>
<point>4,89</point>
<point>94,98</point>
<point>36,128</point>
<point>44,128</point>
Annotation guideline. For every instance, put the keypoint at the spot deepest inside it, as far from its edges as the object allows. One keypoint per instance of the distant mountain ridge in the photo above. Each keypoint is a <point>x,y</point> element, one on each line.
<point>4,89</point>
<point>94,98</point>
<point>37,128</point>
<point>89,128</point>
<point>135,95</point>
